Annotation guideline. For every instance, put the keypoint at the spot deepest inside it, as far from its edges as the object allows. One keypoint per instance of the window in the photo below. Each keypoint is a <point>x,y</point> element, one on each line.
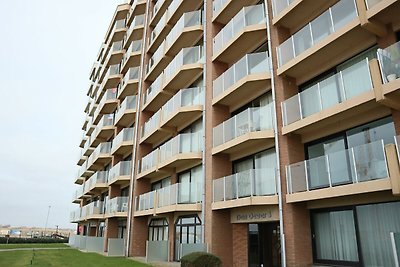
<point>161,184</point>
<point>190,190</point>
<point>356,235</point>
<point>158,230</point>
<point>121,229</point>
<point>188,230</point>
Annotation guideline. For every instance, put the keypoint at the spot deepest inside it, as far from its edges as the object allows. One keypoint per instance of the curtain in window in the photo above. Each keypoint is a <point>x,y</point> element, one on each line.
<point>375,222</point>
<point>335,236</point>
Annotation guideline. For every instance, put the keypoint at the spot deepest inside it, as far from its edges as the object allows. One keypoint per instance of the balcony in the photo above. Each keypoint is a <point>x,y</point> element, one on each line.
<point>157,63</point>
<point>138,8</point>
<point>331,101</point>
<point>148,166</point>
<point>112,77</point>
<point>383,11</point>
<point>153,97</point>
<point>93,211</point>
<point>85,122</point>
<point>159,9</point>
<point>158,33</point>
<point>104,130</point>
<point>91,126</point>
<point>182,152</point>
<point>92,108</point>
<point>120,173</point>
<point>77,195</point>
<point>118,31</point>
<point>108,103</point>
<point>130,83</point>
<point>182,109</point>
<point>84,172</point>
<point>184,69</point>
<point>389,65</point>
<point>233,40</point>
<point>100,157</point>
<point>117,207</point>
<point>286,12</point>
<point>173,198</point>
<point>246,133</point>
<point>81,158</point>
<point>320,44</point>
<point>151,131</point>
<point>87,149</point>
<point>224,10</point>
<point>114,54</point>
<point>132,56</point>
<point>187,32</point>
<point>123,142</point>
<point>246,188</point>
<point>360,169</point>
<point>125,115</point>
<point>178,7</point>
<point>135,31</point>
<point>247,79</point>
<point>96,183</point>
<point>83,140</point>
<point>75,216</point>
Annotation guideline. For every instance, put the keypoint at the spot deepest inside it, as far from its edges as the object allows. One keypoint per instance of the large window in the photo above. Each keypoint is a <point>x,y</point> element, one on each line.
<point>158,230</point>
<point>191,185</point>
<point>188,230</point>
<point>357,235</point>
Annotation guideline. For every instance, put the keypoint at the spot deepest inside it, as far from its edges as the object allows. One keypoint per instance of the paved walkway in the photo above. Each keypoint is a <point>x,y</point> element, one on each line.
<point>17,249</point>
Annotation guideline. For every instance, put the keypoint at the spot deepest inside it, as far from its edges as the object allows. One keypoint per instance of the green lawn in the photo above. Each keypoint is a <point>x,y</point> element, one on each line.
<point>49,245</point>
<point>63,258</point>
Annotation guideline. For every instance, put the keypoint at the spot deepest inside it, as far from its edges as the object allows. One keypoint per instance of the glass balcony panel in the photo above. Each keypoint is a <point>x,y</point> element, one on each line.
<point>218,187</point>
<point>297,177</point>
<point>330,91</point>
<point>230,187</point>
<point>264,182</point>
<point>302,40</point>
<point>321,27</point>
<point>310,101</point>
<point>153,90</point>
<point>317,172</point>
<point>149,161</point>
<point>286,51</point>
<point>357,79</point>
<point>218,5</point>
<point>151,124</point>
<point>371,3</point>
<point>257,63</point>
<point>280,5</point>
<point>254,15</point>
<point>343,12</point>
<point>240,68</point>
<point>185,97</point>
<point>244,184</point>
<point>369,161</point>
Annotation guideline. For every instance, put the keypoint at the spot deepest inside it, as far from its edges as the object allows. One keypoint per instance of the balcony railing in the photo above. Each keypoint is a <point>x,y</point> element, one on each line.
<point>250,64</point>
<point>113,70</point>
<point>218,5</point>
<point>119,24</point>
<point>355,165</point>
<point>279,5</point>
<point>111,94</point>
<point>182,143</point>
<point>156,7</point>
<point>128,103</point>
<point>135,47</point>
<point>180,193</point>
<point>250,15</point>
<point>93,208</point>
<point>151,124</point>
<point>99,177</point>
<point>186,56</point>
<point>78,192</point>
<point>116,205</point>
<point>255,182</point>
<point>333,90</point>
<point>116,46</point>
<point>149,161</point>
<point>145,201</point>
<point>106,120</point>
<point>389,62</point>
<point>131,74</point>
<point>75,215</point>
<point>371,3</point>
<point>123,168</point>
<point>136,22</point>
<point>101,149</point>
<point>333,19</point>
<point>249,120</point>
<point>397,143</point>
<point>153,90</point>
<point>125,135</point>
<point>158,28</point>
<point>156,57</point>
<point>185,97</point>
<point>188,19</point>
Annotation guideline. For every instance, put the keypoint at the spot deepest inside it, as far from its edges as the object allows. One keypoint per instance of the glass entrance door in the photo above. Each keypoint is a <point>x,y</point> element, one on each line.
<point>264,245</point>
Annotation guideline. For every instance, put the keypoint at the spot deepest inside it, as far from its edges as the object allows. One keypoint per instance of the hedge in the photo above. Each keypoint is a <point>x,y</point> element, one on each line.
<point>16,240</point>
<point>200,259</point>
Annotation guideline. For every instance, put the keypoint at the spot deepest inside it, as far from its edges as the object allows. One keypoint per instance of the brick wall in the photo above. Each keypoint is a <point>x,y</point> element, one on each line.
<point>240,244</point>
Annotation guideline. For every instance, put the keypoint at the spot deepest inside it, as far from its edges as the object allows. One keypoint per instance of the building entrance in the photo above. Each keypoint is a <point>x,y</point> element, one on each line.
<point>264,245</point>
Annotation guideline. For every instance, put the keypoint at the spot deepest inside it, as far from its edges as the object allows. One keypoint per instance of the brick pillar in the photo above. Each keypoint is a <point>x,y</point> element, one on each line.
<point>240,244</point>
<point>111,231</point>
<point>171,236</point>
<point>296,219</point>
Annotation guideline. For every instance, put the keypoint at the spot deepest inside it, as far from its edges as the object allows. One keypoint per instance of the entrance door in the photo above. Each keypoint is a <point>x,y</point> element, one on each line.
<point>264,245</point>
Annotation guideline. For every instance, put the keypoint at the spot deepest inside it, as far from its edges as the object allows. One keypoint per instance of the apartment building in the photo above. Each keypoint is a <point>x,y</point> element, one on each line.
<point>263,131</point>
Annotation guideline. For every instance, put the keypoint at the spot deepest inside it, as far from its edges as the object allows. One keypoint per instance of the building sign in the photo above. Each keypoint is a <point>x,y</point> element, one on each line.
<point>255,214</point>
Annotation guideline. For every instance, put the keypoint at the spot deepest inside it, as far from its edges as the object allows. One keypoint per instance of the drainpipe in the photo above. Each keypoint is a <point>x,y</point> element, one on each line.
<point>203,204</point>
<point>138,106</point>
<point>278,168</point>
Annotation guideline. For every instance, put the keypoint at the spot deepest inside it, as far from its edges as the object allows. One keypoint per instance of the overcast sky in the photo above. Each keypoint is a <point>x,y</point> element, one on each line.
<point>46,51</point>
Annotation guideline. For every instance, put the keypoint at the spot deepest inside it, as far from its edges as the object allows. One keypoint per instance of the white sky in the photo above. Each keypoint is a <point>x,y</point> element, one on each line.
<point>46,51</point>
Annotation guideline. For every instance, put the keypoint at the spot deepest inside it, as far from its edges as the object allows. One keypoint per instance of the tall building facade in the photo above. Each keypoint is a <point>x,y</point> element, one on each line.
<point>263,131</point>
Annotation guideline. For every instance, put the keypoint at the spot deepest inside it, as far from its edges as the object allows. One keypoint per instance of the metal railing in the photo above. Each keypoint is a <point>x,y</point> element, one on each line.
<point>355,165</point>
<point>123,168</point>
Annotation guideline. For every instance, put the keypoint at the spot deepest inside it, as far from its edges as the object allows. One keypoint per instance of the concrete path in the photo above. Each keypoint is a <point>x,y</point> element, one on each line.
<point>17,249</point>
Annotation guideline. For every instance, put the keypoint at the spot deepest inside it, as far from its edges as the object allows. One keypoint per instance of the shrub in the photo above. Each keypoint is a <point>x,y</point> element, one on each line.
<point>200,259</point>
<point>16,240</point>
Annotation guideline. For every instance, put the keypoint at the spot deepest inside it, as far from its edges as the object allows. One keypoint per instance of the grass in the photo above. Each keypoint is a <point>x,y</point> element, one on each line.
<point>47,245</point>
<point>63,258</point>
